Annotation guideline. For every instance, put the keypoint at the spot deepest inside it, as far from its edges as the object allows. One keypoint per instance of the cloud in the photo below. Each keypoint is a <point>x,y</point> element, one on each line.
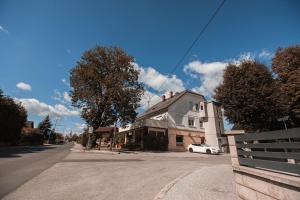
<point>149,99</point>
<point>23,86</point>
<point>265,54</point>
<point>2,29</point>
<point>36,107</point>
<point>210,74</point>
<point>157,81</point>
<point>65,82</point>
<point>80,126</point>
<point>63,97</point>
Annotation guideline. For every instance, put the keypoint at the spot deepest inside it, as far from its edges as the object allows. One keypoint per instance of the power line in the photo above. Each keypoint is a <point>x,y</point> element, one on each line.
<point>193,43</point>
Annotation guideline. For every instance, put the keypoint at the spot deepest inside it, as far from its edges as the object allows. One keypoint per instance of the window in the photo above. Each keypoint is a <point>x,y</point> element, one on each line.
<point>191,122</point>
<point>179,140</point>
<point>197,107</point>
<point>201,124</point>
<point>201,107</point>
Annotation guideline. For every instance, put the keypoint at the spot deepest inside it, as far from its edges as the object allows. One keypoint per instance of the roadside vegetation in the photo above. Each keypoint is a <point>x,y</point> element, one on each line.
<point>12,119</point>
<point>255,97</point>
<point>105,87</point>
<point>14,131</point>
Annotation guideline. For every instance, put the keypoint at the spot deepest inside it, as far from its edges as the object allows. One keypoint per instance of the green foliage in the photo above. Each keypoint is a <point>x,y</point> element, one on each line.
<point>45,127</point>
<point>286,65</point>
<point>247,96</point>
<point>12,119</point>
<point>105,87</point>
<point>32,139</point>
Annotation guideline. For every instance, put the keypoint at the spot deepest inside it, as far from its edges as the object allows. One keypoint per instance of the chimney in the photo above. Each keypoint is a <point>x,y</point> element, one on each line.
<point>163,98</point>
<point>171,94</point>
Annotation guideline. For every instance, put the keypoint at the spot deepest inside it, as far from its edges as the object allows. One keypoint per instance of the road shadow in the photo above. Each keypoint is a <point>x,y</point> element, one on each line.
<point>17,151</point>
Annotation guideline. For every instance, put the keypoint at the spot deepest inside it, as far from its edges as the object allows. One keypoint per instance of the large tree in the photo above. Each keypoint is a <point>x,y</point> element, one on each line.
<point>247,96</point>
<point>105,87</point>
<point>12,119</point>
<point>45,127</point>
<point>286,65</point>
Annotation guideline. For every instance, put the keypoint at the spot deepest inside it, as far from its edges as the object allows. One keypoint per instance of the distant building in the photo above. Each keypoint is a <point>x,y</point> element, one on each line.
<point>29,124</point>
<point>175,122</point>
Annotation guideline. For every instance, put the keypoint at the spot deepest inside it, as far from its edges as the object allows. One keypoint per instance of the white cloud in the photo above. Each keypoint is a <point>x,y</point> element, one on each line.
<point>67,97</point>
<point>64,81</point>
<point>63,97</point>
<point>265,54</point>
<point>36,107</point>
<point>23,86</point>
<point>245,57</point>
<point>211,75</point>
<point>2,29</point>
<point>149,99</point>
<point>159,82</point>
<point>80,126</point>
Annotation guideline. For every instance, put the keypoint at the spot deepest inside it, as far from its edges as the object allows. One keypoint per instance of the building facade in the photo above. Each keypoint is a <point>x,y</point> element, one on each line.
<point>175,122</point>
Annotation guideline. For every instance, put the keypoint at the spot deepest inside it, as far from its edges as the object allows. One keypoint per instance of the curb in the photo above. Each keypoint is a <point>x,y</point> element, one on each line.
<point>167,187</point>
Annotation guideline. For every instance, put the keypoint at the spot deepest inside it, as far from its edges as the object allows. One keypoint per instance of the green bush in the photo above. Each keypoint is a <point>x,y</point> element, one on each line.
<point>32,139</point>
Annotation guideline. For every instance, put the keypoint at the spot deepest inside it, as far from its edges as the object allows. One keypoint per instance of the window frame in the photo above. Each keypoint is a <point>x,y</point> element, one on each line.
<point>191,119</point>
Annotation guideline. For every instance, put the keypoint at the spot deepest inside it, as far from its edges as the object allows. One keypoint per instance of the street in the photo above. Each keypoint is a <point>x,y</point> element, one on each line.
<point>134,176</point>
<point>20,164</point>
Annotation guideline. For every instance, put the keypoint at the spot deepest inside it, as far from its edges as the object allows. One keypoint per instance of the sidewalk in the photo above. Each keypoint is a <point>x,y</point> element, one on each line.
<point>201,184</point>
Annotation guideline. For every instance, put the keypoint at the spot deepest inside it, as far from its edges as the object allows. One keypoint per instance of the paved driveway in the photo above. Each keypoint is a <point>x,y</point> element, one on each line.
<point>137,175</point>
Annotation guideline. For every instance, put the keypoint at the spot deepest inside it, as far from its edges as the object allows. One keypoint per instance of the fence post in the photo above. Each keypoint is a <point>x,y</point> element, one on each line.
<point>232,145</point>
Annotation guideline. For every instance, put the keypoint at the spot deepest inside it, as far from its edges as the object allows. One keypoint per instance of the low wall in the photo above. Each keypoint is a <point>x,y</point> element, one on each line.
<point>259,184</point>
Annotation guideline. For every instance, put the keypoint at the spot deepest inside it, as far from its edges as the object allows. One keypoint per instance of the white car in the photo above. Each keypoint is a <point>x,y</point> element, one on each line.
<point>203,148</point>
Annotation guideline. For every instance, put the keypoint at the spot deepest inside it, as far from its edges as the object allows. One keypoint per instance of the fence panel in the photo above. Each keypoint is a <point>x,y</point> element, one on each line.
<point>274,150</point>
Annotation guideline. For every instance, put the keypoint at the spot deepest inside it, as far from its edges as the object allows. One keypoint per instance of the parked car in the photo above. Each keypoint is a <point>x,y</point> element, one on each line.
<point>203,148</point>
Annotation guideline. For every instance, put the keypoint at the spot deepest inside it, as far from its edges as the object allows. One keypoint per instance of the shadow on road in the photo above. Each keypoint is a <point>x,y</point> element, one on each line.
<point>14,152</point>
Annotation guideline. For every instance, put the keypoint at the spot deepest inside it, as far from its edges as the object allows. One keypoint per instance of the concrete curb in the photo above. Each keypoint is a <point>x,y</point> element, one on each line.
<point>167,187</point>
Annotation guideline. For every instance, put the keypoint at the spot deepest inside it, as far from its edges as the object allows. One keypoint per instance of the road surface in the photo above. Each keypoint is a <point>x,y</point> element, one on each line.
<point>20,164</point>
<point>134,176</point>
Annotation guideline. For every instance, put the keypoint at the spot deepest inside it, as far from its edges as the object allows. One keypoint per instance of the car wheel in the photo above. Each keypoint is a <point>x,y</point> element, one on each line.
<point>208,151</point>
<point>191,150</point>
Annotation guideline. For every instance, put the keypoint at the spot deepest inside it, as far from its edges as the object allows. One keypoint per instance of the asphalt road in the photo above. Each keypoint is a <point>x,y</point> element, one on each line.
<point>134,176</point>
<point>20,164</point>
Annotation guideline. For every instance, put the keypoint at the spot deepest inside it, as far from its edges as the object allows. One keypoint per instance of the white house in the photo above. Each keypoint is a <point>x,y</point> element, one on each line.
<point>181,119</point>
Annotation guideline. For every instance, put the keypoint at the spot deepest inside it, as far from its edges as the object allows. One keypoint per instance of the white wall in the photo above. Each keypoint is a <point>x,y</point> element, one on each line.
<point>214,125</point>
<point>179,112</point>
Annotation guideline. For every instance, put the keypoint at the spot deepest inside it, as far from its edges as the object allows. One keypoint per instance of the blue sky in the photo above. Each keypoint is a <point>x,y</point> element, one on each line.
<point>40,41</point>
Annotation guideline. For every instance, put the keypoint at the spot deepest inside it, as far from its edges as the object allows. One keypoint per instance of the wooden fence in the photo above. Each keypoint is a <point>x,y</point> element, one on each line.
<point>274,150</point>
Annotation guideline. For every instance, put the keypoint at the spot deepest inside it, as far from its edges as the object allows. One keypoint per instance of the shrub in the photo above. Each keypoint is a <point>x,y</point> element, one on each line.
<point>32,138</point>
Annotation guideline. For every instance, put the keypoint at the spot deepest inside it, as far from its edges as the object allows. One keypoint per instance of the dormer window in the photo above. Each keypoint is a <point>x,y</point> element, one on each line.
<point>191,122</point>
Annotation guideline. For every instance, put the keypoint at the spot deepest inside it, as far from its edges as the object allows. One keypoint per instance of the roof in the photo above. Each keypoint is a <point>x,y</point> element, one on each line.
<point>106,129</point>
<point>164,105</point>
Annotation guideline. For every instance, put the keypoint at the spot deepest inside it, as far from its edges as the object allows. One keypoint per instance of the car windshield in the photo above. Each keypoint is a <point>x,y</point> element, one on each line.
<point>197,144</point>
